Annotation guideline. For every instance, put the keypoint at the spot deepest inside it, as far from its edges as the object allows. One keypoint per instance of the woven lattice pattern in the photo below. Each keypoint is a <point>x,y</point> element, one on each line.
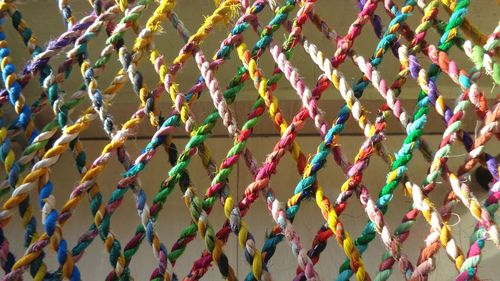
<point>28,187</point>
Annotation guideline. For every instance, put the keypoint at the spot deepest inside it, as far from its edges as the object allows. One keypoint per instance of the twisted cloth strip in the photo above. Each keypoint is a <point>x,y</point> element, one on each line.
<point>372,133</point>
<point>319,242</point>
<point>130,176</point>
<point>250,236</point>
<point>268,100</point>
<point>394,104</point>
<point>221,14</point>
<point>75,144</point>
<point>344,46</point>
<point>450,245</point>
<point>7,156</point>
<point>25,122</point>
<point>257,193</point>
<point>258,109</point>
<point>53,214</point>
<point>143,42</point>
<point>87,181</point>
<point>38,177</point>
<point>466,141</point>
<point>115,41</point>
<point>434,71</point>
<point>385,42</point>
<point>492,169</point>
<point>490,203</point>
<point>130,128</point>
<point>416,37</point>
<point>39,141</point>
<point>481,55</point>
<point>461,192</point>
<point>324,233</point>
<point>25,208</point>
<point>472,31</point>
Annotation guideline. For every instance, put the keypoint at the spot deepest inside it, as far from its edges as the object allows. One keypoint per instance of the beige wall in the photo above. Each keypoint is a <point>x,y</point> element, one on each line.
<point>94,264</point>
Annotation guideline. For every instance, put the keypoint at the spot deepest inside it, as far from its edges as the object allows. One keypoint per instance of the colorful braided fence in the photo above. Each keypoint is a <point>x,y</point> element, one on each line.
<point>455,189</point>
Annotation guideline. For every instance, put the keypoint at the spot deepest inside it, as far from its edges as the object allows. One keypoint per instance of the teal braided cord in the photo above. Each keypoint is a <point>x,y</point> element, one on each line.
<point>390,37</point>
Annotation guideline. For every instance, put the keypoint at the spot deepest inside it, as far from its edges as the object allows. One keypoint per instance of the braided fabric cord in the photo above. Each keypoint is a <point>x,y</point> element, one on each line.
<point>39,270</point>
<point>31,149</point>
<point>93,191</point>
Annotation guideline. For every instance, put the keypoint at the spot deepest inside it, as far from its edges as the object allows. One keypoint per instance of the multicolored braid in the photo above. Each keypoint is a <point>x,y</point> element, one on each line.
<point>141,205</point>
<point>345,44</point>
<point>96,197</point>
<point>234,215</point>
<point>481,55</point>
<point>7,156</point>
<point>466,138</point>
<point>117,259</point>
<point>200,134</point>
<point>320,240</point>
<point>277,71</point>
<point>426,12</point>
<point>227,46</point>
<point>24,122</point>
<point>365,6</point>
<point>117,142</point>
<point>440,227</point>
<point>387,263</point>
<point>479,236</point>
<point>467,27</point>
<point>490,128</point>
<point>251,116</point>
<point>130,128</point>
<point>386,41</point>
<point>95,194</point>
<point>130,177</point>
<point>38,177</point>
<point>463,192</point>
<point>25,208</point>
<point>65,9</point>
<point>228,213</point>
<point>351,38</point>
<point>434,71</point>
<point>357,167</point>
